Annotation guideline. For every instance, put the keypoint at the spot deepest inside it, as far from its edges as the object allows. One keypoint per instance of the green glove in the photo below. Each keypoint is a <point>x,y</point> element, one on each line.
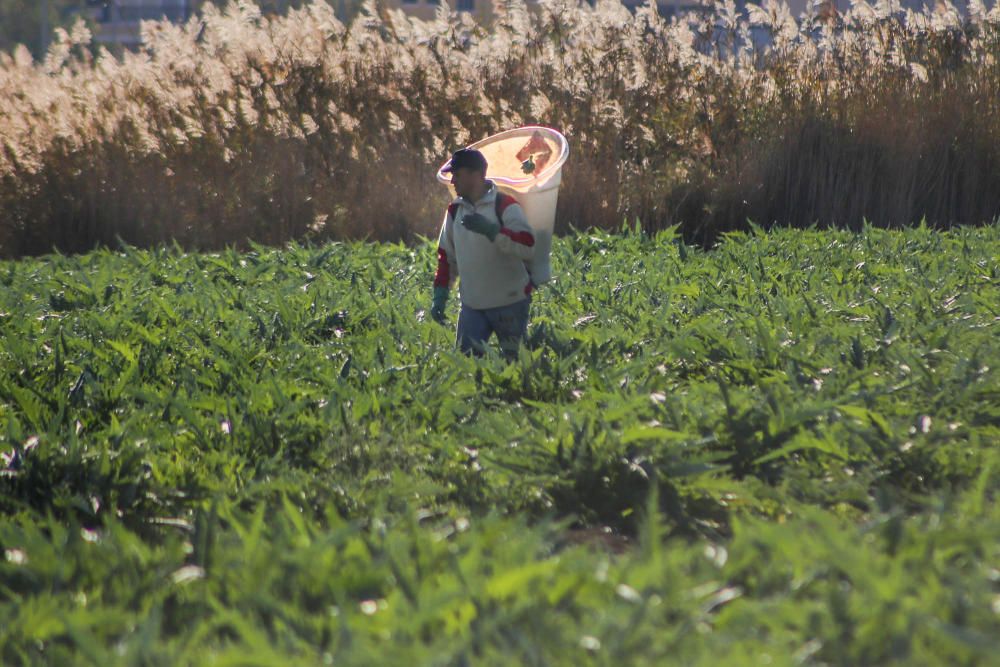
<point>480,224</point>
<point>440,299</point>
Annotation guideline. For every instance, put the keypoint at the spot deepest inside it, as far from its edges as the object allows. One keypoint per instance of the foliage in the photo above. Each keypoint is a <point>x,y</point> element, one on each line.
<point>783,447</point>
<point>243,126</point>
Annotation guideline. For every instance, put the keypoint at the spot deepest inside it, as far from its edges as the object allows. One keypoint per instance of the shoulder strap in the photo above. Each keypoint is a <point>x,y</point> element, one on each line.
<point>501,203</point>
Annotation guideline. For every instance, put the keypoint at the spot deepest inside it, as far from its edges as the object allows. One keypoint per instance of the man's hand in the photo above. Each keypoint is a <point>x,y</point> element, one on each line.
<point>480,224</point>
<point>437,308</point>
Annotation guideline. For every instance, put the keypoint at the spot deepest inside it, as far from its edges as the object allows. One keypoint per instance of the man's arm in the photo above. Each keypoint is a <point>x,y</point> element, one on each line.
<point>447,267</point>
<point>516,237</point>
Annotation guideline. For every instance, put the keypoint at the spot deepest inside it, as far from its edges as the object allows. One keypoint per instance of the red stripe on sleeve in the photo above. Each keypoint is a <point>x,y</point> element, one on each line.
<point>443,276</point>
<point>524,238</point>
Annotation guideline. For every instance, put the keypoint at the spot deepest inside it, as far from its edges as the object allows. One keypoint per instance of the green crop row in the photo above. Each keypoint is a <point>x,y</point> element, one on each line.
<point>783,446</point>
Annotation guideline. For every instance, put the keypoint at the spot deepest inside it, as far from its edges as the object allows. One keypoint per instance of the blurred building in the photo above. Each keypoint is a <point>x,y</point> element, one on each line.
<point>117,22</point>
<point>483,9</point>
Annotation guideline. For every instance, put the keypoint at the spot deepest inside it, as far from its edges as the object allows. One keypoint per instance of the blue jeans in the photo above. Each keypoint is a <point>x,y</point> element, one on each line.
<point>509,323</point>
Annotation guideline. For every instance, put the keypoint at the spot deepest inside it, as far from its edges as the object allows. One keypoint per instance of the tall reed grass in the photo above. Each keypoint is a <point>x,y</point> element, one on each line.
<point>240,126</point>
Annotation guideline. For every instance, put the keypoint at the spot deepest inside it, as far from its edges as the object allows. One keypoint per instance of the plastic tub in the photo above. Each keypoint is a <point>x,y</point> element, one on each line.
<point>526,163</point>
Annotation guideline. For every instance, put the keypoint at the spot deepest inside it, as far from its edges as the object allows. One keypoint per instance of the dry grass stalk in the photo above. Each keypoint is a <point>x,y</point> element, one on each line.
<point>238,126</point>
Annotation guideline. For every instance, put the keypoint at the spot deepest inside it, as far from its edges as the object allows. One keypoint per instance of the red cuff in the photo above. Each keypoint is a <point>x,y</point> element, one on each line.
<point>524,238</point>
<point>443,276</point>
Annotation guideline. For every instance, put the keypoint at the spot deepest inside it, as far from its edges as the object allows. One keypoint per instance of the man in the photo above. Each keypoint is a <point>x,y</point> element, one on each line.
<point>485,239</point>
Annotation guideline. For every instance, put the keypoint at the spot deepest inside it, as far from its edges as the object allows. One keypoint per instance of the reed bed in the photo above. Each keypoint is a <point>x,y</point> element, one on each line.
<point>240,126</point>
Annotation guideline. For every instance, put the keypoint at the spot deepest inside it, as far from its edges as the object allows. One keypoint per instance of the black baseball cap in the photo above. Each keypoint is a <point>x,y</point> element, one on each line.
<point>465,157</point>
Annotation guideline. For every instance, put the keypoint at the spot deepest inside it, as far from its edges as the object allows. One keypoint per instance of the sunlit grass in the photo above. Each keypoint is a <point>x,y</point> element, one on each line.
<point>237,126</point>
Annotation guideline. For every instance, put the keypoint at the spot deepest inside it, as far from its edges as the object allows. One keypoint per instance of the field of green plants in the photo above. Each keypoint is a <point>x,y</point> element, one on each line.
<point>782,450</point>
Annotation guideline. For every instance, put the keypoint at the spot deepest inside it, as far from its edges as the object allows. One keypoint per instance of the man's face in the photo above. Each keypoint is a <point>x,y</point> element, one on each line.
<point>467,181</point>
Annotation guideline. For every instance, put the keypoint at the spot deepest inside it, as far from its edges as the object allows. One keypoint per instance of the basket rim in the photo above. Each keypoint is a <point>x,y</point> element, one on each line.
<point>514,182</point>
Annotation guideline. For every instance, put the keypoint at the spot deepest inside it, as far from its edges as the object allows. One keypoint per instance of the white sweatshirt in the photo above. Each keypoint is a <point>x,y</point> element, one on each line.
<point>492,272</point>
